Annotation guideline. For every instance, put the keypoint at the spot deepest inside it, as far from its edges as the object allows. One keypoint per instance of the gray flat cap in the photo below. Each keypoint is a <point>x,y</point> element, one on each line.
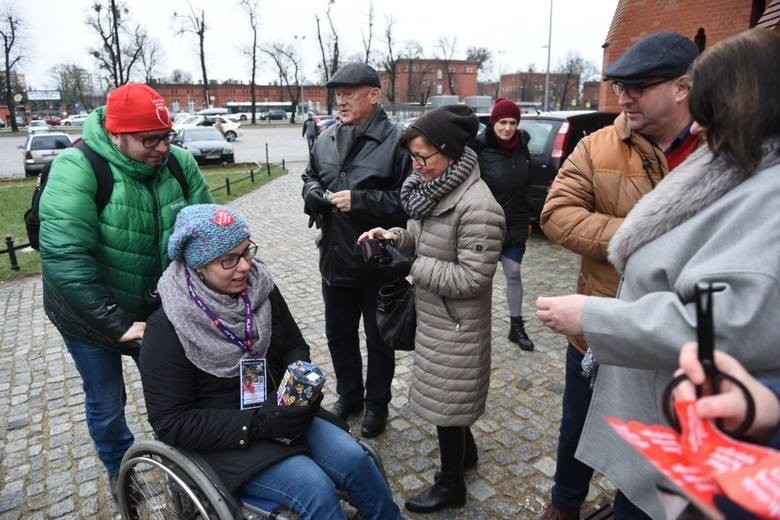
<point>661,55</point>
<point>354,74</point>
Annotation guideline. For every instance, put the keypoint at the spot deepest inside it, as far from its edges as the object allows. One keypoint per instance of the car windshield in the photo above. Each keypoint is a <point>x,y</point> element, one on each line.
<point>191,120</point>
<point>203,134</point>
<point>50,142</point>
<point>539,131</point>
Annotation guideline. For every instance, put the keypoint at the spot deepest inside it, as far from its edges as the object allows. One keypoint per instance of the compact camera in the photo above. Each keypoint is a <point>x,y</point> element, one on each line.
<point>375,250</point>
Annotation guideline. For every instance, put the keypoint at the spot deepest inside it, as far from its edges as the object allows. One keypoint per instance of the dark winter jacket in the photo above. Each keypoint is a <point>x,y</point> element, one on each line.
<point>507,174</point>
<point>374,170</point>
<point>99,267</point>
<point>194,410</point>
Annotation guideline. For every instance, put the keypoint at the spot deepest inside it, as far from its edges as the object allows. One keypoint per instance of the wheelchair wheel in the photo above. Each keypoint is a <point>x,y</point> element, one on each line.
<point>157,481</point>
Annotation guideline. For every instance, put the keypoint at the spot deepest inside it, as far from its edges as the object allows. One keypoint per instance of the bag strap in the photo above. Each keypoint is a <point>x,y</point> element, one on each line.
<point>178,174</point>
<point>105,182</point>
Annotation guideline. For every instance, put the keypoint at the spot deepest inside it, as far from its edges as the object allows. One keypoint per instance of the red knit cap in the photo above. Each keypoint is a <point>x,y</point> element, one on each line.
<point>504,108</point>
<point>136,107</point>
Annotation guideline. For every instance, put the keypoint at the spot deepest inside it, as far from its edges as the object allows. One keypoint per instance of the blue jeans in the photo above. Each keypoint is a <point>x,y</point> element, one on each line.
<point>104,400</point>
<point>307,484</point>
<point>572,477</point>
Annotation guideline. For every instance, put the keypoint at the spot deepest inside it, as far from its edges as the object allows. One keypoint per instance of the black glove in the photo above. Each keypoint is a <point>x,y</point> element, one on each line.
<point>316,202</point>
<point>395,261</point>
<point>282,423</point>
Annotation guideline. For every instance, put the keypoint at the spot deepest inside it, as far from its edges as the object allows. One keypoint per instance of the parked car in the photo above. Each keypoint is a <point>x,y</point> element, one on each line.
<point>37,126</point>
<point>228,128</point>
<point>40,149</point>
<point>53,120</point>
<point>75,120</point>
<point>553,137</point>
<point>327,123</point>
<point>206,143</point>
<point>274,114</point>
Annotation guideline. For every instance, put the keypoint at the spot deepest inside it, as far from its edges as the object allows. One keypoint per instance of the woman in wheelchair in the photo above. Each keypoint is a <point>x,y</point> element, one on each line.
<point>221,310</point>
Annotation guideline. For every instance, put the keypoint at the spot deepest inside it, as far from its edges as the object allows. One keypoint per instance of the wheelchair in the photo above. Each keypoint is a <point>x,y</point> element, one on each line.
<point>158,481</point>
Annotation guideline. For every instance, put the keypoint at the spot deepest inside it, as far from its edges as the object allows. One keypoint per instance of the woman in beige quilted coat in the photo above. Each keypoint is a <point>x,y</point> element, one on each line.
<point>454,237</point>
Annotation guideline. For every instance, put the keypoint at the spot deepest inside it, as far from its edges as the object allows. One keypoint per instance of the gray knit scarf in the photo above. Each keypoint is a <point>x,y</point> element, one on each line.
<point>204,345</point>
<point>419,198</point>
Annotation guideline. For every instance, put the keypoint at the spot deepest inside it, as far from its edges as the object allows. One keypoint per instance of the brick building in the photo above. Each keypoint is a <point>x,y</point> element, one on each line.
<point>419,79</point>
<point>704,21</point>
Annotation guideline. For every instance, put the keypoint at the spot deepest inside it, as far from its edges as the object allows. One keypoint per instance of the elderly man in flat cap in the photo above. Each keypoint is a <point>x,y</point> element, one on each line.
<point>596,187</point>
<point>351,185</point>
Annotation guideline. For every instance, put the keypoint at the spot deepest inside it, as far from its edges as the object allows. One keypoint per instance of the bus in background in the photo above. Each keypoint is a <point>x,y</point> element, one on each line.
<point>242,110</point>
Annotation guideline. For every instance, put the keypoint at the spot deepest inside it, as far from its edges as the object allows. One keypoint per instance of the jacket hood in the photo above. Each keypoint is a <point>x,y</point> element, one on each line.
<point>97,137</point>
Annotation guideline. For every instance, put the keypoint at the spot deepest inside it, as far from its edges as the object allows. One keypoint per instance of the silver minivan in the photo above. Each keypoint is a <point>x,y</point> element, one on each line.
<point>40,149</point>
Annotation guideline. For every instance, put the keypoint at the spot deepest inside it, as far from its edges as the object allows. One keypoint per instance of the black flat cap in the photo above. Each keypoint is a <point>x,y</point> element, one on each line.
<point>661,55</point>
<point>354,74</point>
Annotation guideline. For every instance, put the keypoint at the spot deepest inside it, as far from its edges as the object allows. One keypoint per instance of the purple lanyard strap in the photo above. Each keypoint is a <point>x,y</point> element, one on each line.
<point>246,343</point>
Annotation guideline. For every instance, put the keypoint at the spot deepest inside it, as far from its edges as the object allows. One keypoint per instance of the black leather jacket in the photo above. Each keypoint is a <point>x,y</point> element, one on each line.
<point>373,171</point>
<point>507,174</point>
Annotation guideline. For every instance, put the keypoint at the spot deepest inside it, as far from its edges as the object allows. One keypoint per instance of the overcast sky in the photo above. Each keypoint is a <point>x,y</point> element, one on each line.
<point>516,31</point>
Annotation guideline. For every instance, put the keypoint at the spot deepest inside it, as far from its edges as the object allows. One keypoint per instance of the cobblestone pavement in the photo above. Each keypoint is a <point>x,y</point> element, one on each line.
<point>47,464</point>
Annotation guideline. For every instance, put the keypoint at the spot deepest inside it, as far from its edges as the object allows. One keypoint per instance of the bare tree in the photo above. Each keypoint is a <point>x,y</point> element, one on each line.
<point>114,56</point>
<point>10,32</point>
<point>330,58</point>
<point>447,47</point>
<point>390,62</point>
<point>181,76</point>
<point>419,86</point>
<point>289,69</point>
<point>74,85</point>
<point>195,23</point>
<point>482,55</point>
<point>368,38</point>
<point>250,6</point>
<point>571,72</point>
<point>151,56</point>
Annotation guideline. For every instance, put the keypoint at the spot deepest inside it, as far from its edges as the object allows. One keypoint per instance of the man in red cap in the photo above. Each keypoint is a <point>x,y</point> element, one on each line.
<point>101,265</point>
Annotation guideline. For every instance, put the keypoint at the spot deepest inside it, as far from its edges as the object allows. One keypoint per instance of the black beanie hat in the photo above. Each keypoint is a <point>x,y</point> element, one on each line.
<point>449,128</point>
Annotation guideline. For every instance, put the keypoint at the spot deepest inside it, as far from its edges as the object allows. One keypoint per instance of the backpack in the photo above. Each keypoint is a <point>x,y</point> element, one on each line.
<point>105,185</point>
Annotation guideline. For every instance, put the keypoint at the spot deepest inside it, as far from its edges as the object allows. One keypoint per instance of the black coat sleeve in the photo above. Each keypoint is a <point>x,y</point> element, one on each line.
<point>173,401</point>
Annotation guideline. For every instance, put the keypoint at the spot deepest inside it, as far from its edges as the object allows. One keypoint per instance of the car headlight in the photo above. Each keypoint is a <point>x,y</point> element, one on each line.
<point>193,149</point>
<point>228,149</point>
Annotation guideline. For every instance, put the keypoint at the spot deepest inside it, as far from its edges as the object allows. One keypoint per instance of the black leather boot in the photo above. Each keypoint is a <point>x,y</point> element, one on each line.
<point>449,488</point>
<point>471,455</point>
<point>517,333</point>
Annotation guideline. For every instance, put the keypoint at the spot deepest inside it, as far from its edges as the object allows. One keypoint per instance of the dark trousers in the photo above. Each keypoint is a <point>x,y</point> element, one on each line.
<point>624,509</point>
<point>572,477</point>
<point>343,308</point>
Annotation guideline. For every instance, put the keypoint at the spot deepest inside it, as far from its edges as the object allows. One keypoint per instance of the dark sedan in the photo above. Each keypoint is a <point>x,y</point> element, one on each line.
<point>553,137</point>
<point>207,144</point>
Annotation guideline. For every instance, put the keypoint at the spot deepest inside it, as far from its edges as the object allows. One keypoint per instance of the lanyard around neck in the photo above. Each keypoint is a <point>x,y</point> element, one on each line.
<point>246,343</point>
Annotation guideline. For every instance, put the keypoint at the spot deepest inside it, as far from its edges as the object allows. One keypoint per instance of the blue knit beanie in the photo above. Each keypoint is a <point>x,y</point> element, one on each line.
<point>204,232</point>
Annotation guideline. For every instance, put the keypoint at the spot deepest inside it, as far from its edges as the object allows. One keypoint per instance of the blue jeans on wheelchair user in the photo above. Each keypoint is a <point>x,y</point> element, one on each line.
<point>308,484</point>
<point>104,400</point>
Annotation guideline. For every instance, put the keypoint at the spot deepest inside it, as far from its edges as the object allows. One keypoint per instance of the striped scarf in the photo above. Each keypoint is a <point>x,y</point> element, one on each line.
<point>419,198</point>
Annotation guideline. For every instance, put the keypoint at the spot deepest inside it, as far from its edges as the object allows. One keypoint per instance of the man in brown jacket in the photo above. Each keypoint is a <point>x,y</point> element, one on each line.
<point>602,179</point>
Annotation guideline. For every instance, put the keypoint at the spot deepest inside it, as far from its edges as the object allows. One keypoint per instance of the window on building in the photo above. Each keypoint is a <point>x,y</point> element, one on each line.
<point>439,89</point>
<point>438,74</point>
<point>469,70</point>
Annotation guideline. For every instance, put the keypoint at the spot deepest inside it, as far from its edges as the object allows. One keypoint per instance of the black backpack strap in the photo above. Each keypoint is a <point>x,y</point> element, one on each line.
<point>178,174</point>
<point>105,181</point>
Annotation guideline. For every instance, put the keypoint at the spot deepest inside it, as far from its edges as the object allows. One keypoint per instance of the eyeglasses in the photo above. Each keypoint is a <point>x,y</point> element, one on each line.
<point>232,260</point>
<point>634,91</point>
<point>419,159</point>
<point>153,141</point>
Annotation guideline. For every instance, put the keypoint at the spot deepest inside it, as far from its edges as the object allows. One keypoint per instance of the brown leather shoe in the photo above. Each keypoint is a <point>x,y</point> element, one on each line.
<point>551,513</point>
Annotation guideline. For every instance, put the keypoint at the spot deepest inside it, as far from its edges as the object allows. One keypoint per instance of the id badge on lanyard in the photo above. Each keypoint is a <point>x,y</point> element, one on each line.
<point>253,378</point>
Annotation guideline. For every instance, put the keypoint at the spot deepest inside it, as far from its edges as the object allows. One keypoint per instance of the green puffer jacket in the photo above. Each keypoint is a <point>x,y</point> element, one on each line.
<point>97,268</point>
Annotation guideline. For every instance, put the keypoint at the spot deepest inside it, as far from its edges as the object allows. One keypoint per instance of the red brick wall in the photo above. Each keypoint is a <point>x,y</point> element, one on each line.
<point>635,19</point>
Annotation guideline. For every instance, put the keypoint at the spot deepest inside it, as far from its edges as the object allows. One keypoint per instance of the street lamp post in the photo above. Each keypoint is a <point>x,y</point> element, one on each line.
<point>547,73</point>
<point>300,64</point>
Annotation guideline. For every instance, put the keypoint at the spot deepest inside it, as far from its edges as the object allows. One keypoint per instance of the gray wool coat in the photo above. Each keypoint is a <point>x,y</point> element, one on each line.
<point>703,223</point>
<point>457,247</point>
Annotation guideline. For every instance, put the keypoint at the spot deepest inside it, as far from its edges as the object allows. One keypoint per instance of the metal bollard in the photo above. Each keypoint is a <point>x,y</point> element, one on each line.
<point>9,243</point>
<point>252,175</point>
<point>227,185</point>
<point>267,164</point>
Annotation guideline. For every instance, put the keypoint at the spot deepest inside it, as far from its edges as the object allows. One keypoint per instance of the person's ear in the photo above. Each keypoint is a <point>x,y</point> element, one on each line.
<point>682,88</point>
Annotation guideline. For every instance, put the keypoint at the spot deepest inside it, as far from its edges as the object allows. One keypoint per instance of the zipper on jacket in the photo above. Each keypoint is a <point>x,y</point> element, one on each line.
<point>156,216</point>
<point>451,314</point>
